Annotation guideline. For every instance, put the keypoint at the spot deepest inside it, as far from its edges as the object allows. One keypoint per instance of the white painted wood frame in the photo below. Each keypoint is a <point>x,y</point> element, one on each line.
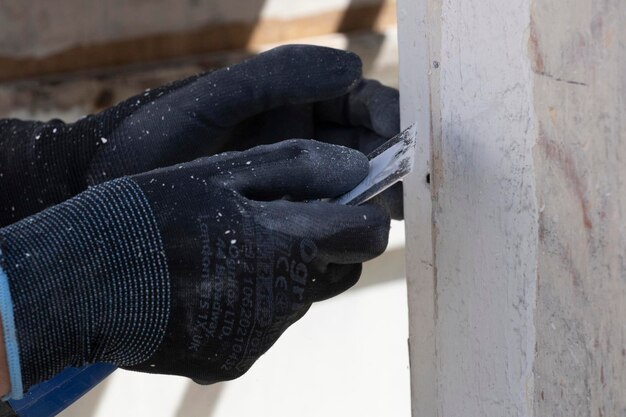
<point>516,252</point>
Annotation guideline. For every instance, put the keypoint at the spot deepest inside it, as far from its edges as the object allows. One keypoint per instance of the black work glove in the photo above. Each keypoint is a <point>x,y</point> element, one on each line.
<point>195,269</point>
<point>289,92</point>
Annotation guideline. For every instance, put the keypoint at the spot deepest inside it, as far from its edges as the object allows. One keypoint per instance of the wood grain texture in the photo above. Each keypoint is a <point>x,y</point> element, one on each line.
<point>415,103</point>
<point>529,200</point>
<point>70,98</point>
<point>484,213</point>
<point>578,54</point>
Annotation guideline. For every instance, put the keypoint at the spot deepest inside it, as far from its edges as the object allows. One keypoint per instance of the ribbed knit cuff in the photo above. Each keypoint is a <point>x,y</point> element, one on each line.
<point>89,282</point>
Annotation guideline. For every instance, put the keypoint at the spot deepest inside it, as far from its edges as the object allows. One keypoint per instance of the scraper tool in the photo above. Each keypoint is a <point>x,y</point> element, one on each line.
<point>389,163</point>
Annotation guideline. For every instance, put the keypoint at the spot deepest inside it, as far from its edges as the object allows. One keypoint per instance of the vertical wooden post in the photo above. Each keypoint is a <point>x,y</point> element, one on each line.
<point>415,100</point>
<point>522,309</point>
<point>578,56</point>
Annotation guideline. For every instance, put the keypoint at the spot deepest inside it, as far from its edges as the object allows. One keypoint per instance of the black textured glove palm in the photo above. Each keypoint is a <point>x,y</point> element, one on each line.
<point>289,92</point>
<point>195,269</point>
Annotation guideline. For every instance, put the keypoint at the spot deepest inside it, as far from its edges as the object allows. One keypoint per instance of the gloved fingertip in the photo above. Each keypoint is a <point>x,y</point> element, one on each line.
<point>302,169</point>
<point>380,224</point>
<point>342,278</point>
<point>343,168</point>
<point>201,382</point>
<point>331,72</point>
<point>392,200</point>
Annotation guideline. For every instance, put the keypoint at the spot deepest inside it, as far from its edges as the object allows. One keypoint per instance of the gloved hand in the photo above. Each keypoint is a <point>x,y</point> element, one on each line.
<point>195,269</point>
<point>289,92</point>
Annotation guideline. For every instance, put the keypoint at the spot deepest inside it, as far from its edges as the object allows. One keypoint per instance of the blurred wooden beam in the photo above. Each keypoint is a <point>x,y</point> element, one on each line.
<point>215,36</point>
<point>71,96</point>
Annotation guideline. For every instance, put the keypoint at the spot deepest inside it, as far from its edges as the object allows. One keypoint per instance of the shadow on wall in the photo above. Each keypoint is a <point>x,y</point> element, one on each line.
<point>199,400</point>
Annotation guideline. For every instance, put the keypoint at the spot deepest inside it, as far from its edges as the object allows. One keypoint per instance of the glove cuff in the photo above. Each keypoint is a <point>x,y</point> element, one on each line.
<point>89,281</point>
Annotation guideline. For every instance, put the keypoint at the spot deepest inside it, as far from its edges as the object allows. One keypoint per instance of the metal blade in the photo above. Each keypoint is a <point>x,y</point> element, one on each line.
<point>389,163</point>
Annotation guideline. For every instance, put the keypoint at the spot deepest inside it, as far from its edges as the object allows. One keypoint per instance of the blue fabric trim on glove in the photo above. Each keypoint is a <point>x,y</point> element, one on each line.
<point>10,339</point>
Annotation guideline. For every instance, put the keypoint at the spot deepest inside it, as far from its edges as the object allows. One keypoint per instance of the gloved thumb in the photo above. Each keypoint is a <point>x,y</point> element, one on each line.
<point>297,169</point>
